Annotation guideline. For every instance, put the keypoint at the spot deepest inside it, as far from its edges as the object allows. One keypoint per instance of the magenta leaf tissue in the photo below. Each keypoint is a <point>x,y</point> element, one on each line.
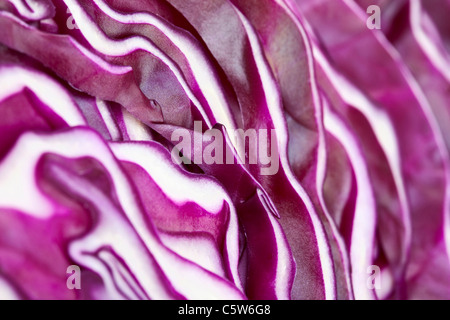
<point>224,149</point>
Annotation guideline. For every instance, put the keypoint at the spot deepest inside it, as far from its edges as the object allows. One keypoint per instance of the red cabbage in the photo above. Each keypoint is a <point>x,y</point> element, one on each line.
<point>329,140</point>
